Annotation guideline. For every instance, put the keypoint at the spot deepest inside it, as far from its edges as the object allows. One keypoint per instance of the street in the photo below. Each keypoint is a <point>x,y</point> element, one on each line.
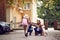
<point>19,35</point>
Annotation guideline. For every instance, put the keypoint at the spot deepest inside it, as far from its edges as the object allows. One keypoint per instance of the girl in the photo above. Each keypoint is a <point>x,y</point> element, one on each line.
<point>25,24</point>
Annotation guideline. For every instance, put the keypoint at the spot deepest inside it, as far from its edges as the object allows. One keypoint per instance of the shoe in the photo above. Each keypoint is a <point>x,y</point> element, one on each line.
<point>30,34</point>
<point>36,34</point>
<point>26,35</point>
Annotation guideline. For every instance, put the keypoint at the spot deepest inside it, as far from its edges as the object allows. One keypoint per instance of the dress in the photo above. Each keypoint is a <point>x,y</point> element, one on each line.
<point>24,21</point>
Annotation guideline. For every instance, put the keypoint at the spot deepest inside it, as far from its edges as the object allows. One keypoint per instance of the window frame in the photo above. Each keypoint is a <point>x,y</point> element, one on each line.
<point>25,5</point>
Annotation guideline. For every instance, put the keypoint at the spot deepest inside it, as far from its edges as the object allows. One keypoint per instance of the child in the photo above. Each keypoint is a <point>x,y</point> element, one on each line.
<point>30,29</point>
<point>38,28</point>
<point>25,24</point>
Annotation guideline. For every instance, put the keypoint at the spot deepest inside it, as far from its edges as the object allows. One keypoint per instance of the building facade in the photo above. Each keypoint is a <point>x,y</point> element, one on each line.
<point>17,10</point>
<point>2,10</point>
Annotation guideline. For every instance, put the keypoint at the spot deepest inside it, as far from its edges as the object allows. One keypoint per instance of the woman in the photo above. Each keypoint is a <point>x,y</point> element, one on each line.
<point>38,29</point>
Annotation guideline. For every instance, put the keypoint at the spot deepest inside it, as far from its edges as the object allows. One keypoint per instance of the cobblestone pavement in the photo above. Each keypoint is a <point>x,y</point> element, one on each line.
<point>19,35</point>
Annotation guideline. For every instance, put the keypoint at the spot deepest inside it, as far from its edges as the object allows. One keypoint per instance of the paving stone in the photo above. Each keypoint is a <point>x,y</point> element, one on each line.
<point>19,35</point>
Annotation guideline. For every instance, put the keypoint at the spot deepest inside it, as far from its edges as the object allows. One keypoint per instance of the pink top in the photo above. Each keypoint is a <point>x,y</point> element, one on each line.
<point>24,21</point>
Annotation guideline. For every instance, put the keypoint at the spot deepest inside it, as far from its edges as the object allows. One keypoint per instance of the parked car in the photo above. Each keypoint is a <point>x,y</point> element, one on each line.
<point>4,27</point>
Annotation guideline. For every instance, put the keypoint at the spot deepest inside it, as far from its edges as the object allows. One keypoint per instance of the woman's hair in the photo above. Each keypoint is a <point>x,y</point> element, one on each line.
<point>38,22</point>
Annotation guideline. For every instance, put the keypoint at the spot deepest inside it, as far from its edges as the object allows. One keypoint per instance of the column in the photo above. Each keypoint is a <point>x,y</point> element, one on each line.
<point>34,11</point>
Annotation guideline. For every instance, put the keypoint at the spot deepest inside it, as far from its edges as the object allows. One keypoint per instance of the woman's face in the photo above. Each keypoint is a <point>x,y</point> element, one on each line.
<point>38,21</point>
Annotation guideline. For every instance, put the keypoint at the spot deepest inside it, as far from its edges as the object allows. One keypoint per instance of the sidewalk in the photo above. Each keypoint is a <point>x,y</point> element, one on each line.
<point>19,35</point>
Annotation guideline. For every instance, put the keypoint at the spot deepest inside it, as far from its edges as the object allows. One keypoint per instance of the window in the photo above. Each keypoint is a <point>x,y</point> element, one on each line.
<point>16,2</point>
<point>26,6</point>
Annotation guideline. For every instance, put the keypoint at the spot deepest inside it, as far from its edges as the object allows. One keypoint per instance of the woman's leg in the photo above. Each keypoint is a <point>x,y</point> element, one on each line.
<point>42,32</point>
<point>35,31</point>
<point>30,32</point>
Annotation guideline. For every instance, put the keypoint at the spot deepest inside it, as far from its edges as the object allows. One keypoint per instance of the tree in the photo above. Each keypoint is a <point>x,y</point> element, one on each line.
<point>50,9</point>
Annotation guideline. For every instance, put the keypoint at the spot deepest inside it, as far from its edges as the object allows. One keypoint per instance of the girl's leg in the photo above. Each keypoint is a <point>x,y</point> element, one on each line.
<point>25,30</point>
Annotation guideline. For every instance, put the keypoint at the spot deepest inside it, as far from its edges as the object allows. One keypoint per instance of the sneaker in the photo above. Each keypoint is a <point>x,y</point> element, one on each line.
<point>26,35</point>
<point>30,34</point>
